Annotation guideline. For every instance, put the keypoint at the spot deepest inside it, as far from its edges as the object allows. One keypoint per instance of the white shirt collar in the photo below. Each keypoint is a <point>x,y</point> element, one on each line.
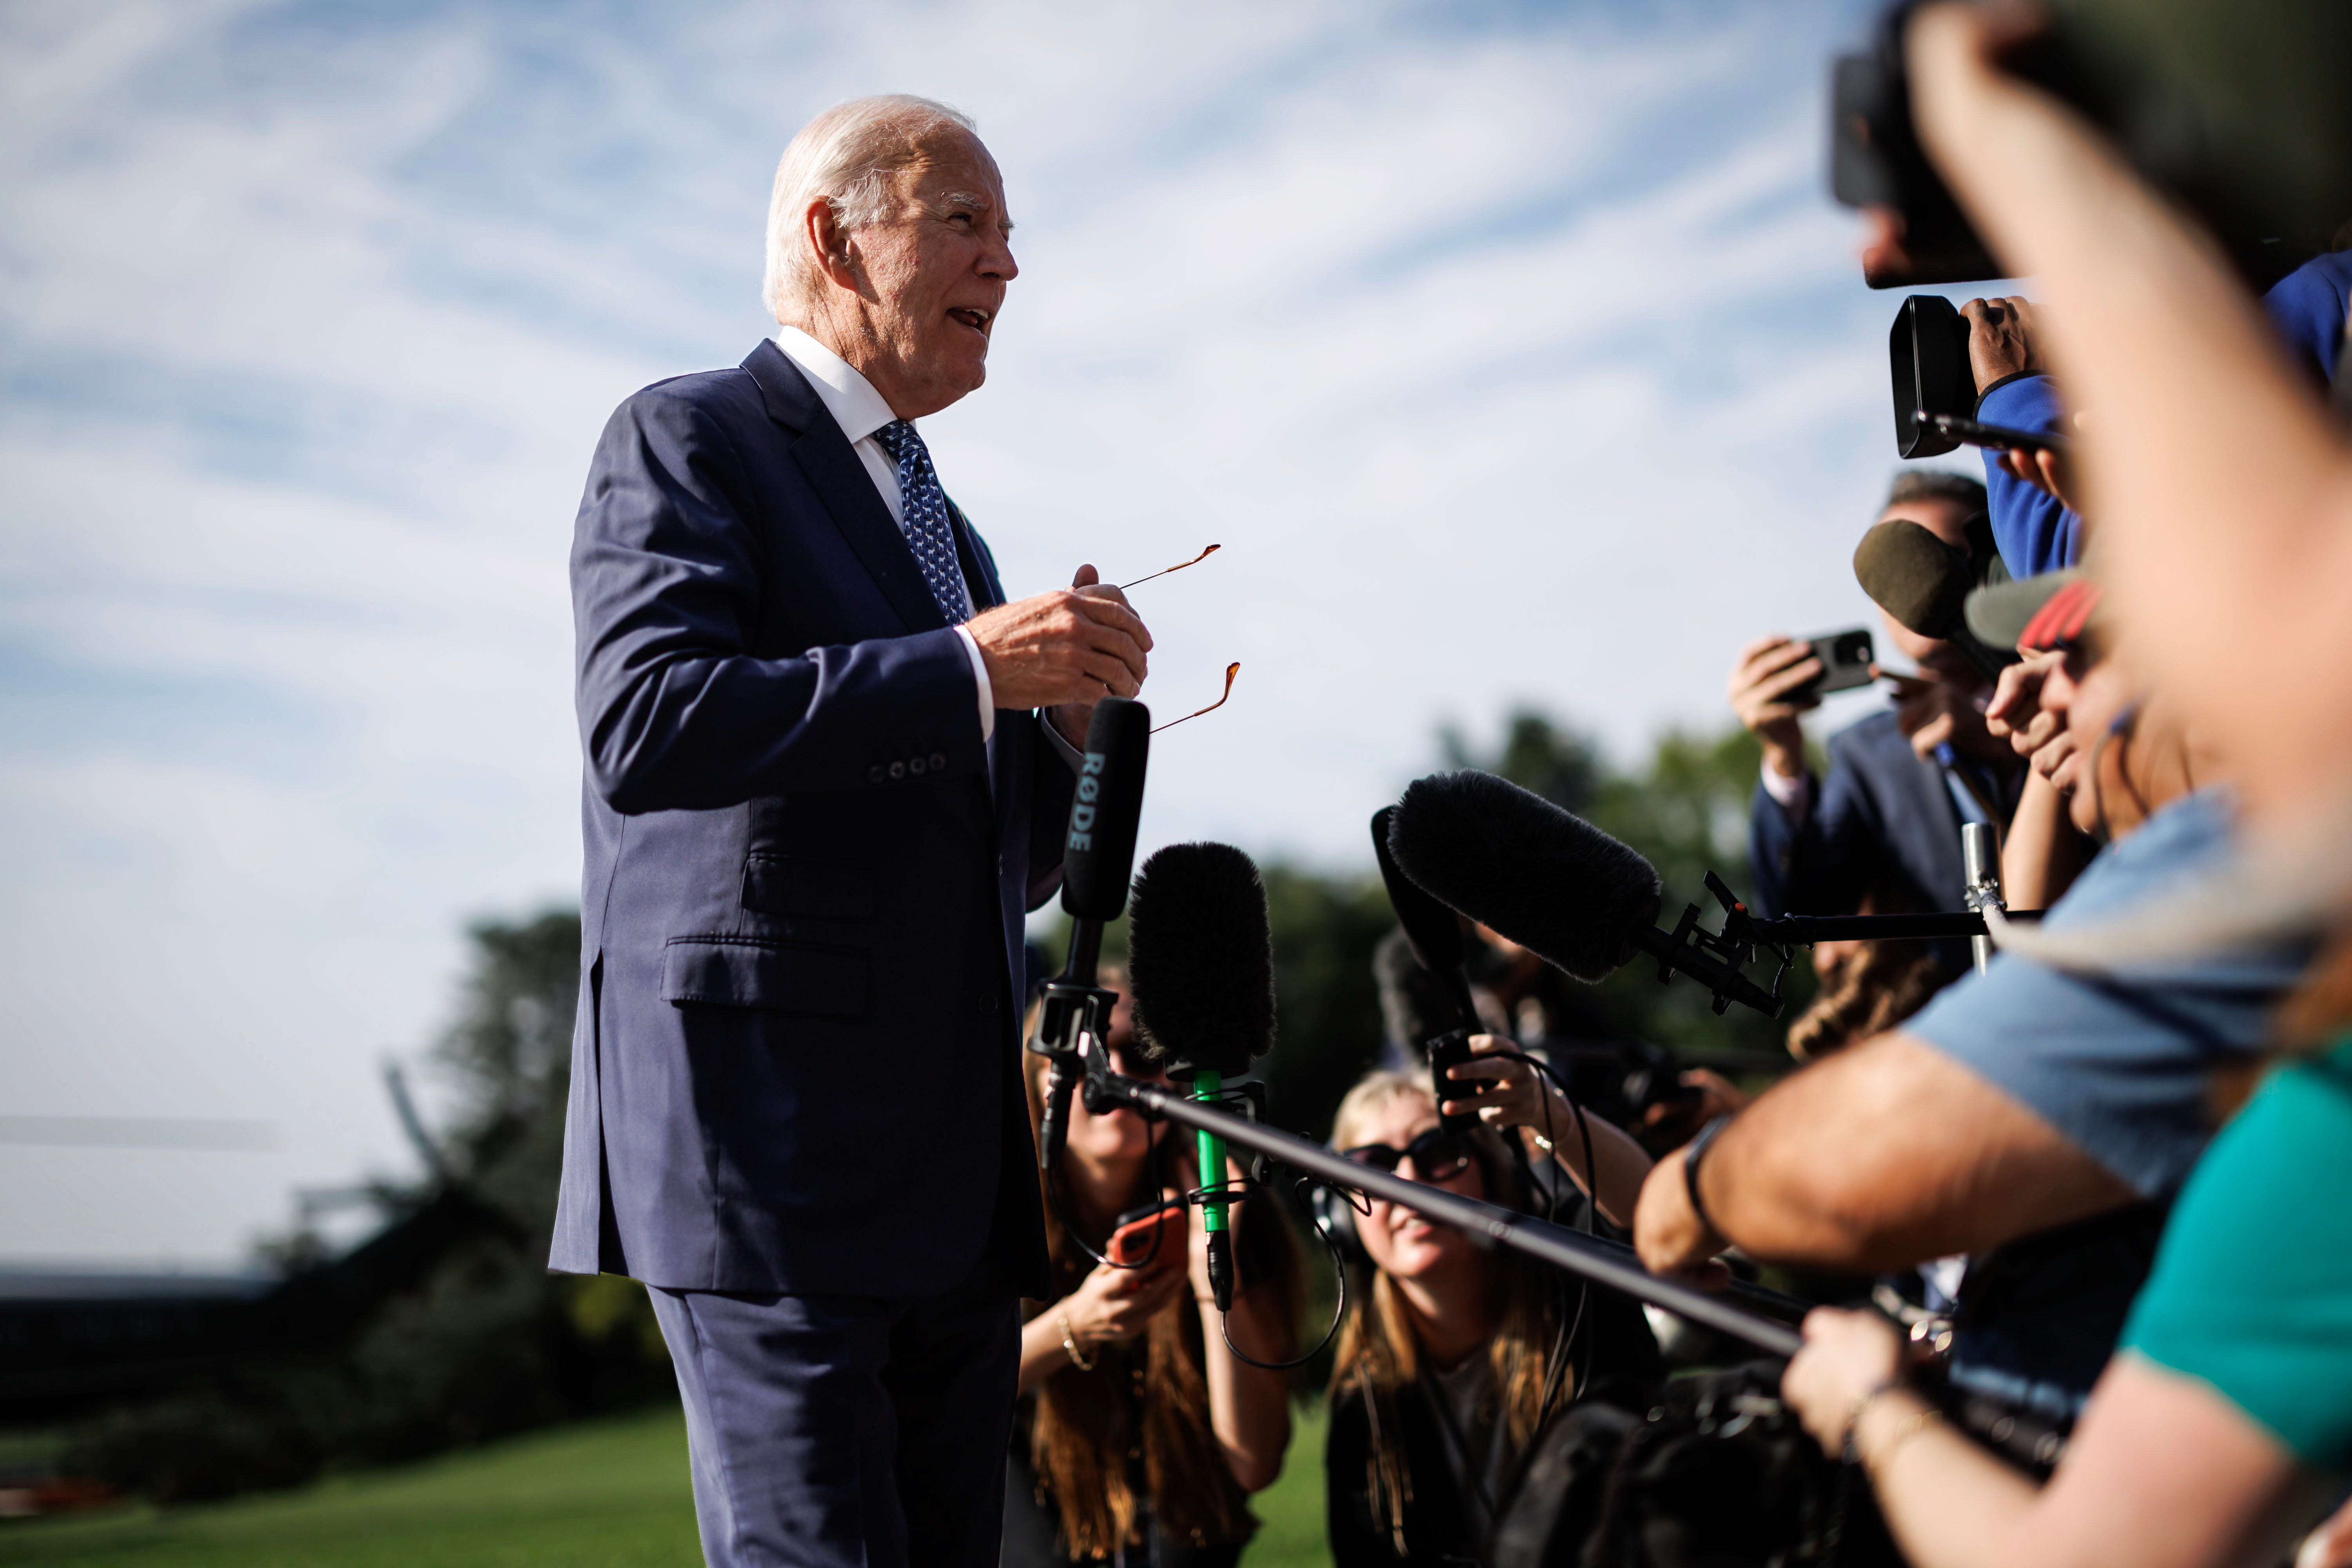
<point>848,396</point>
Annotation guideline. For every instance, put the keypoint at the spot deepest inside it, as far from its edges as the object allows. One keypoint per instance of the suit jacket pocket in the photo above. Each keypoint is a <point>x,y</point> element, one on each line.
<point>797,885</point>
<point>745,971</point>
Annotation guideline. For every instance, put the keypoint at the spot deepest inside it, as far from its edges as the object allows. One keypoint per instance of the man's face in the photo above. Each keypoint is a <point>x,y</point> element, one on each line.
<point>937,270</point>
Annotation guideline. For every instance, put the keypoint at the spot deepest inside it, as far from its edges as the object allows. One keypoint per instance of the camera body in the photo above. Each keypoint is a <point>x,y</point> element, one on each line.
<point>2238,113</point>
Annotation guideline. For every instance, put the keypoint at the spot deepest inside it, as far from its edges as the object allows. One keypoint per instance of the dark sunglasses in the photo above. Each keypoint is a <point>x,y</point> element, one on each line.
<point>1437,1155</point>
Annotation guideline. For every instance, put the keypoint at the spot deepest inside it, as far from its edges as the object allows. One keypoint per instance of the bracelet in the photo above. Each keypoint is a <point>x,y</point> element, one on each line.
<point>1919,1422</point>
<point>1540,1142</point>
<point>1070,1344</point>
<point>1846,1453</point>
<point>1691,1155</point>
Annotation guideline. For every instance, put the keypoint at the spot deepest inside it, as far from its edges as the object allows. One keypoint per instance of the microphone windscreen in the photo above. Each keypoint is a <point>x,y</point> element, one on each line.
<point>1104,810</point>
<point>1199,960</point>
<point>1515,862</point>
<point>1431,929</point>
<point>1915,576</point>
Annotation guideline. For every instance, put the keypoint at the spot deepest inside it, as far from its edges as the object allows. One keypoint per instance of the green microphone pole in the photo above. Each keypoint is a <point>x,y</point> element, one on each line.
<point>1207,1084</point>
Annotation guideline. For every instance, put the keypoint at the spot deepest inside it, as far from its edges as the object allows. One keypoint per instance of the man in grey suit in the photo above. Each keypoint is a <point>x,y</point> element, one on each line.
<point>823,754</point>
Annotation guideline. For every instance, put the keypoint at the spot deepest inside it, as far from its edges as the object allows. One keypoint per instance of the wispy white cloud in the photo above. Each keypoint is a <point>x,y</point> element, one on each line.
<point>1510,353</point>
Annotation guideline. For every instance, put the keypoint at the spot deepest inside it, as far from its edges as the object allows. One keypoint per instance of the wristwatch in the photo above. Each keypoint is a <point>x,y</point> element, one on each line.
<point>1691,1155</point>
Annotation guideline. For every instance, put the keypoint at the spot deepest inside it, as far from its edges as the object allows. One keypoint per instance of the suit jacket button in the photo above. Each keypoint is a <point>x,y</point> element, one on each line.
<point>875,775</point>
<point>938,762</point>
<point>898,770</point>
<point>987,1003</point>
<point>915,765</point>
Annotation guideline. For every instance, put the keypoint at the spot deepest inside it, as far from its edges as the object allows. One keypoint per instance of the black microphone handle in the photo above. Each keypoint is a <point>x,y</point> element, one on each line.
<point>1062,1078</point>
<point>1054,1126</point>
<point>1707,969</point>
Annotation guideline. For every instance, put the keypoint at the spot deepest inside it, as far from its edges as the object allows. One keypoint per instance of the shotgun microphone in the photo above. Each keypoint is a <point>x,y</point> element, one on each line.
<point>1199,962</point>
<point>1553,883</point>
<point>1432,931</point>
<point>1096,855</point>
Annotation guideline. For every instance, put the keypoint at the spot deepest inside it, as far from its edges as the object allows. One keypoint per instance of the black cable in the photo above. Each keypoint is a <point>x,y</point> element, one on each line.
<point>1339,1310</point>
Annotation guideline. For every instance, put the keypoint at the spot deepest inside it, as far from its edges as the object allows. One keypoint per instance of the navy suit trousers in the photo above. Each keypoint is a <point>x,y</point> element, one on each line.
<point>848,1431</point>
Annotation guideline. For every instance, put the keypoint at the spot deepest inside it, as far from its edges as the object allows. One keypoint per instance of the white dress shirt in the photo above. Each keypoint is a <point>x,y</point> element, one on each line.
<point>859,410</point>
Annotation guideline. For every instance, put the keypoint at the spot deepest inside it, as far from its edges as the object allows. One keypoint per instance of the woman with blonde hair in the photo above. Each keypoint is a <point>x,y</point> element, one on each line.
<point>1477,1397</point>
<point>1141,1432</point>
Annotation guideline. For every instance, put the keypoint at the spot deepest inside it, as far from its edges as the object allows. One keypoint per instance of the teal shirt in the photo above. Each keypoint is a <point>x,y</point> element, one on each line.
<point>2252,1290</point>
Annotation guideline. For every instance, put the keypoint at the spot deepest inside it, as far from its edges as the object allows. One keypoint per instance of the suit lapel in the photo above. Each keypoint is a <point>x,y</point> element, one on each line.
<point>841,481</point>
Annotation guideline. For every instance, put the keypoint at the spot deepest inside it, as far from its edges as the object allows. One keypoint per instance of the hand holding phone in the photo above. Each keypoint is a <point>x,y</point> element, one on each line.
<point>1152,1235</point>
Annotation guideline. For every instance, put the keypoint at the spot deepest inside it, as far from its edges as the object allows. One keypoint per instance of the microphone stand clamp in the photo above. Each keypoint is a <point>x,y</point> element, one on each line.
<point>1734,947</point>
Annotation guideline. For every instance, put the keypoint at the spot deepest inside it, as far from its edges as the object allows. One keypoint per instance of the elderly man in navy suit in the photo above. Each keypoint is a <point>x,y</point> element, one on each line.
<point>823,754</point>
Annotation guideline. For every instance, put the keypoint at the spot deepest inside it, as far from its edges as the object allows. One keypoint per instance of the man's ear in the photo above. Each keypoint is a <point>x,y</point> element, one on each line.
<point>821,229</point>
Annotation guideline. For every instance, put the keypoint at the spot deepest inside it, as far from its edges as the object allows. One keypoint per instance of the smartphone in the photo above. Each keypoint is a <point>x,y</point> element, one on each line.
<point>1847,659</point>
<point>1140,1230</point>
<point>1977,433</point>
<point>1447,1051</point>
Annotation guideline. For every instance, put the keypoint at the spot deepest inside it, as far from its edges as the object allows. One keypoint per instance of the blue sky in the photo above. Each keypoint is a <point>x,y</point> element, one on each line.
<point>1513,353</point>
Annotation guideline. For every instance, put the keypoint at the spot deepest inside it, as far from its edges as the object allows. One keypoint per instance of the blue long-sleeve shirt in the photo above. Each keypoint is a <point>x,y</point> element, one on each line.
<point>2035,533</point>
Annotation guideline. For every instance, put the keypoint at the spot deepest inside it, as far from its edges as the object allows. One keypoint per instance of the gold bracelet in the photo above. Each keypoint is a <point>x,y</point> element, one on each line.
<point>1920,1421</point>
<point>1847,1452</point>
<point>1070,1344</point>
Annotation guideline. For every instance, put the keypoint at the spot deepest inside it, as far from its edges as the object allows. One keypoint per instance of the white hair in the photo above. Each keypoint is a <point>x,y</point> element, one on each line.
<point>844,157</point>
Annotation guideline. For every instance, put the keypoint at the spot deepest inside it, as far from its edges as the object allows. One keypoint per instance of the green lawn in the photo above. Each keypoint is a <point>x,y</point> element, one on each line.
<point>608,1494</point>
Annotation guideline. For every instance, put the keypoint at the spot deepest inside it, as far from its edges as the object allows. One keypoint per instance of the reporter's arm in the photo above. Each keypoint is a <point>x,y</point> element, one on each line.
<point>1878,1158</point>
<point>2225,498</point>
<point>1249,1406</point>
<point>2162,1472</point>
<point>1517,1095</point>
<point>2043,854</point>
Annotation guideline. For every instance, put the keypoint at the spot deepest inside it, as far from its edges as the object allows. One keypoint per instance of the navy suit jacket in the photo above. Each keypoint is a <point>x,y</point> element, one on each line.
<point>796,1068</point>
<point>1881,815</point>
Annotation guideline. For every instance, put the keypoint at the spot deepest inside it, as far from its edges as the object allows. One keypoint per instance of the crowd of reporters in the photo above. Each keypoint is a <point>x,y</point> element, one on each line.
<point>2093,1191</point>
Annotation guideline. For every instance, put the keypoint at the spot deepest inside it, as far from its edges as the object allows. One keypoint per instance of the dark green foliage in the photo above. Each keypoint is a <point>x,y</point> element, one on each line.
<point>466,1338</point>
<point>1561,765</point>
<point>1325,929</point>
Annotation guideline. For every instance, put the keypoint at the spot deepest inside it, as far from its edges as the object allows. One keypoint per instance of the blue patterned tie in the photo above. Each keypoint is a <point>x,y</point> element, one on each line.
<point>925,506</point>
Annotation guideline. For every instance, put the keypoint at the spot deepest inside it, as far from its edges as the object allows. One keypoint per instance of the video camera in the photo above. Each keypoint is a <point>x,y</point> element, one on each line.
<point>2236,111</point>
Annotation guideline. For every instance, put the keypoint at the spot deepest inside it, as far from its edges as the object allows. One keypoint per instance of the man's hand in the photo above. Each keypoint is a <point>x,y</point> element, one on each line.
<point>1065,650</point>
<point>2001,339</point>
<point>1668,1232</point>
<point>2015,714</point>
<point>2051,473</point>
<point>1768,669</point>
<point>1846,1357</point>
<point>1935,712</point>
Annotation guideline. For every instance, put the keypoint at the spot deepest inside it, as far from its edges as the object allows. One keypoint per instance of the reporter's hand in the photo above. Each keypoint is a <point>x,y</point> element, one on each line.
<point>2015,712</point>
<point>2051,473</point>
<point>1933,713</point>
<point>1769,669</point>
<point>1846,1355</point>
<point>1112,1304</point>
<point>2001,339</point>
<point>1717,1096</point>
<point>1668,1232</point>
<point>1065,650</point>
<point>1504,1093</point>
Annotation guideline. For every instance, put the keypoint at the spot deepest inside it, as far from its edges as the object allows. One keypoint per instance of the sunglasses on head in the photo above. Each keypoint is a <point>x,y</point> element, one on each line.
<point>1437,1155</point>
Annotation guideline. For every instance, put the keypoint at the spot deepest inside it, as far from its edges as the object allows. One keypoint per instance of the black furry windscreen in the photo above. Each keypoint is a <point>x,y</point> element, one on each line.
<point>1512,860</point>
<point>1199,960</point>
